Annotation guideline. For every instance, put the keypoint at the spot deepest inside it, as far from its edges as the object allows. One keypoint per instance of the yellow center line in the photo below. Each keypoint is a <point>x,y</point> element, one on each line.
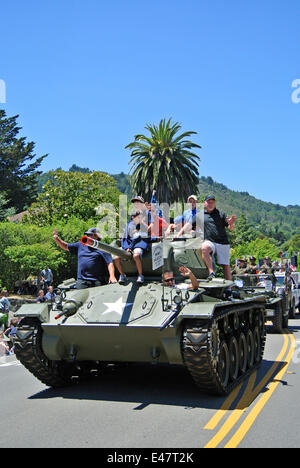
<point>246,399</point>
<point>235,415</point>
<point>212,424</point>
<point>250,419</point>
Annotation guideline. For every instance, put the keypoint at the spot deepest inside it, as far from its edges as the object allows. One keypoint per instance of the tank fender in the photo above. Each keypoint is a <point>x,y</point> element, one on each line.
<point>40,311</point>
<point>197,310</point>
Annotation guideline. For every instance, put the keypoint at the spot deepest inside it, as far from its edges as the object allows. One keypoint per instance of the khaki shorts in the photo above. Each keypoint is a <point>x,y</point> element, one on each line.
<point>222,252</point>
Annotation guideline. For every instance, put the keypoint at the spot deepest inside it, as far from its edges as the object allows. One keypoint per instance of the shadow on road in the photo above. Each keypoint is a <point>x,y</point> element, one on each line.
<point>146,385</point>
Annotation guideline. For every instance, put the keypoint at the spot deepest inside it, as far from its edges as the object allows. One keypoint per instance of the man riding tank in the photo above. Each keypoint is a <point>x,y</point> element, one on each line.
<point>242,268</point>
<point>215,237</point>
<point>93,265</point>
<point>169,279</point>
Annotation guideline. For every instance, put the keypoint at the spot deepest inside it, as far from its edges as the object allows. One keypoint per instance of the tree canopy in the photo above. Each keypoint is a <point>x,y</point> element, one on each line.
<point>68,194</point>
<point>164,161</point>
<point>18,165</point>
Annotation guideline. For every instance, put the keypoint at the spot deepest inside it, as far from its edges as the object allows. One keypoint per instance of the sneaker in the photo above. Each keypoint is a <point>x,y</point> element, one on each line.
<point>211,276</point>
<point>122,279</point>
<point>140,279</point>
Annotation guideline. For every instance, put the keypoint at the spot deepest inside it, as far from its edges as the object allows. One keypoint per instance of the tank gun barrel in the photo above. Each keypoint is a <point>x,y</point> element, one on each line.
<point>85,240</point>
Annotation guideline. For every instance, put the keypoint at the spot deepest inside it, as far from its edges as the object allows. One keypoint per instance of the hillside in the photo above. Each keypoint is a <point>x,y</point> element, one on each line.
<point>258,212</point>
<point>273,220</point>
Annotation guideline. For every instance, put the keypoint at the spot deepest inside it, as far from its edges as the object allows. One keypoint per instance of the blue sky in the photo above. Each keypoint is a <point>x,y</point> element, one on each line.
<point>85,77</point>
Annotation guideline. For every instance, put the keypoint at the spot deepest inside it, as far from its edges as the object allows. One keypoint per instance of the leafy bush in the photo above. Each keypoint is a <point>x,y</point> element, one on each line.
<point>27,249</point>
<point>259,248</point>
<point>68,194</point>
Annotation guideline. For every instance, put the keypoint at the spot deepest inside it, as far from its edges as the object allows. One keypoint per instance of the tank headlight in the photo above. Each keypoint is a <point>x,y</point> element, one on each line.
<point>177,299</point>
<point>58,300</point>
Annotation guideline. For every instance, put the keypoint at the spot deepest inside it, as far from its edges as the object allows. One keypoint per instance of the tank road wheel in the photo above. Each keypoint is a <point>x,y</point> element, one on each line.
<point>28,350</point>
<point>224,366</point>
<point>243,353</point>
<point>225,325</point>
<point>206,359</point>
<point>217,361</point>
<point>257,345</point>
<point>233,348</point>
<point>250,348</point>
<point>236,321</point>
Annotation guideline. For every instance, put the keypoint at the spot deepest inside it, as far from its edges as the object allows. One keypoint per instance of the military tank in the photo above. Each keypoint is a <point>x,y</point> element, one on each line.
<point>215,333</point>
<point>278,296</point>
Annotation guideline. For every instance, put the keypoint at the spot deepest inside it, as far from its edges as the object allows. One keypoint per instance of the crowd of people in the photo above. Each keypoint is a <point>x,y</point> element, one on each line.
<point>250,266</point>
<point>8,323</point>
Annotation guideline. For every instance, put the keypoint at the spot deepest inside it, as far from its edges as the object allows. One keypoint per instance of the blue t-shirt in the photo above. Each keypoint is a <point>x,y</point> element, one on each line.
<point>92,263</point>
<point>186,217</point>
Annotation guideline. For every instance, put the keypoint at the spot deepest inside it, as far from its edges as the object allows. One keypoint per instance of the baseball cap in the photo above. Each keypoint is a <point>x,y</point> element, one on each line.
<point>194,197</point>
<point>210,197</point>
<point>93,230</point>
<point>140,199</point>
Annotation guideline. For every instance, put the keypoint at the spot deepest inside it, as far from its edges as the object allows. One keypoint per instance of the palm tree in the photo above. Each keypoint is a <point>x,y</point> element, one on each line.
<point>164,161</point>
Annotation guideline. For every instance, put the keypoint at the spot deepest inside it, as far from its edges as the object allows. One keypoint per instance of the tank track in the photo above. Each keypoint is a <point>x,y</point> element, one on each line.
<point>220,353</point>
<point>29,352</point>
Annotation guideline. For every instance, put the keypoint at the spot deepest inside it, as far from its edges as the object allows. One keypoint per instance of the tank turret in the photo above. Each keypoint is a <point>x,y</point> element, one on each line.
<point>176,253</point>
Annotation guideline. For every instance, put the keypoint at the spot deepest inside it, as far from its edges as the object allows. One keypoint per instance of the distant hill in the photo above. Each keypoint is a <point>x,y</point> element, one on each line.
<point>258,212</point>
<point>268,217</point>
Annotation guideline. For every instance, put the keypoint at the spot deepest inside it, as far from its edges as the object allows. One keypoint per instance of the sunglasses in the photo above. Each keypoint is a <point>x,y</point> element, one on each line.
<point>168,280</point>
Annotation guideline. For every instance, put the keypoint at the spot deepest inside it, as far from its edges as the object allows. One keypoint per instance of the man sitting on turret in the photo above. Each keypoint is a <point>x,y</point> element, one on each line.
<point>134,240</point>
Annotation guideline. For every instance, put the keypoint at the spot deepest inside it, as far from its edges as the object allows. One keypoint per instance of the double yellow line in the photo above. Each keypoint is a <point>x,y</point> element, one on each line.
<point>247,399</point>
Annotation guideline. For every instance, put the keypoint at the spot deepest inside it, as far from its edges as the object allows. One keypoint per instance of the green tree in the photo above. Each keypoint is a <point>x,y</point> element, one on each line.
<point>293,244</point>
<point>243,232</point>
<point>18,166</point>
<point>259,248</point>
<point>4,211</point>
<point>68,194</point>
<point>164,161</point>
<point>27,248</point>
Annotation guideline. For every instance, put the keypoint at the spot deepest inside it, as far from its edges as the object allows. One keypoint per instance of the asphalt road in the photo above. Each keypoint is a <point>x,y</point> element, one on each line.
<point>156,406</point>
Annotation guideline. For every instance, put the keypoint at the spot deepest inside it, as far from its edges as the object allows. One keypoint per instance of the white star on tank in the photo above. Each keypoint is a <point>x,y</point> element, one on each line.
<point>117,306</point>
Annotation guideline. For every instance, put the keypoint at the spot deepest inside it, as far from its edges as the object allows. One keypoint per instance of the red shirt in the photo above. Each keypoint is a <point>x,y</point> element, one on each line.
<point>158,227</point>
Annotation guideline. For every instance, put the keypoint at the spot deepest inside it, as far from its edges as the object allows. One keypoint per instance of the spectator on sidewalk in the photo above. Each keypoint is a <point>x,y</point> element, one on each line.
<point>50,294</point>
<point>41,296</point>
<point>47,278</point>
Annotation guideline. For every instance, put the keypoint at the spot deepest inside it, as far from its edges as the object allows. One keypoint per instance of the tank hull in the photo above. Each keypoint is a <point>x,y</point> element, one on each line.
<point>219,342</point>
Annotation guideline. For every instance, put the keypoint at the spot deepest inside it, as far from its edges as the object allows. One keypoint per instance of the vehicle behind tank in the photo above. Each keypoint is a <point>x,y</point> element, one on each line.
<point>214,332</point>
<point>277,293</point>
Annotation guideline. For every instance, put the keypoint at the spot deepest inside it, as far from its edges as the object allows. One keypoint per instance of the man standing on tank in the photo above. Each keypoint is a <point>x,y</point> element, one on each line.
<point>215,237</point>
<point>93,265</point>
